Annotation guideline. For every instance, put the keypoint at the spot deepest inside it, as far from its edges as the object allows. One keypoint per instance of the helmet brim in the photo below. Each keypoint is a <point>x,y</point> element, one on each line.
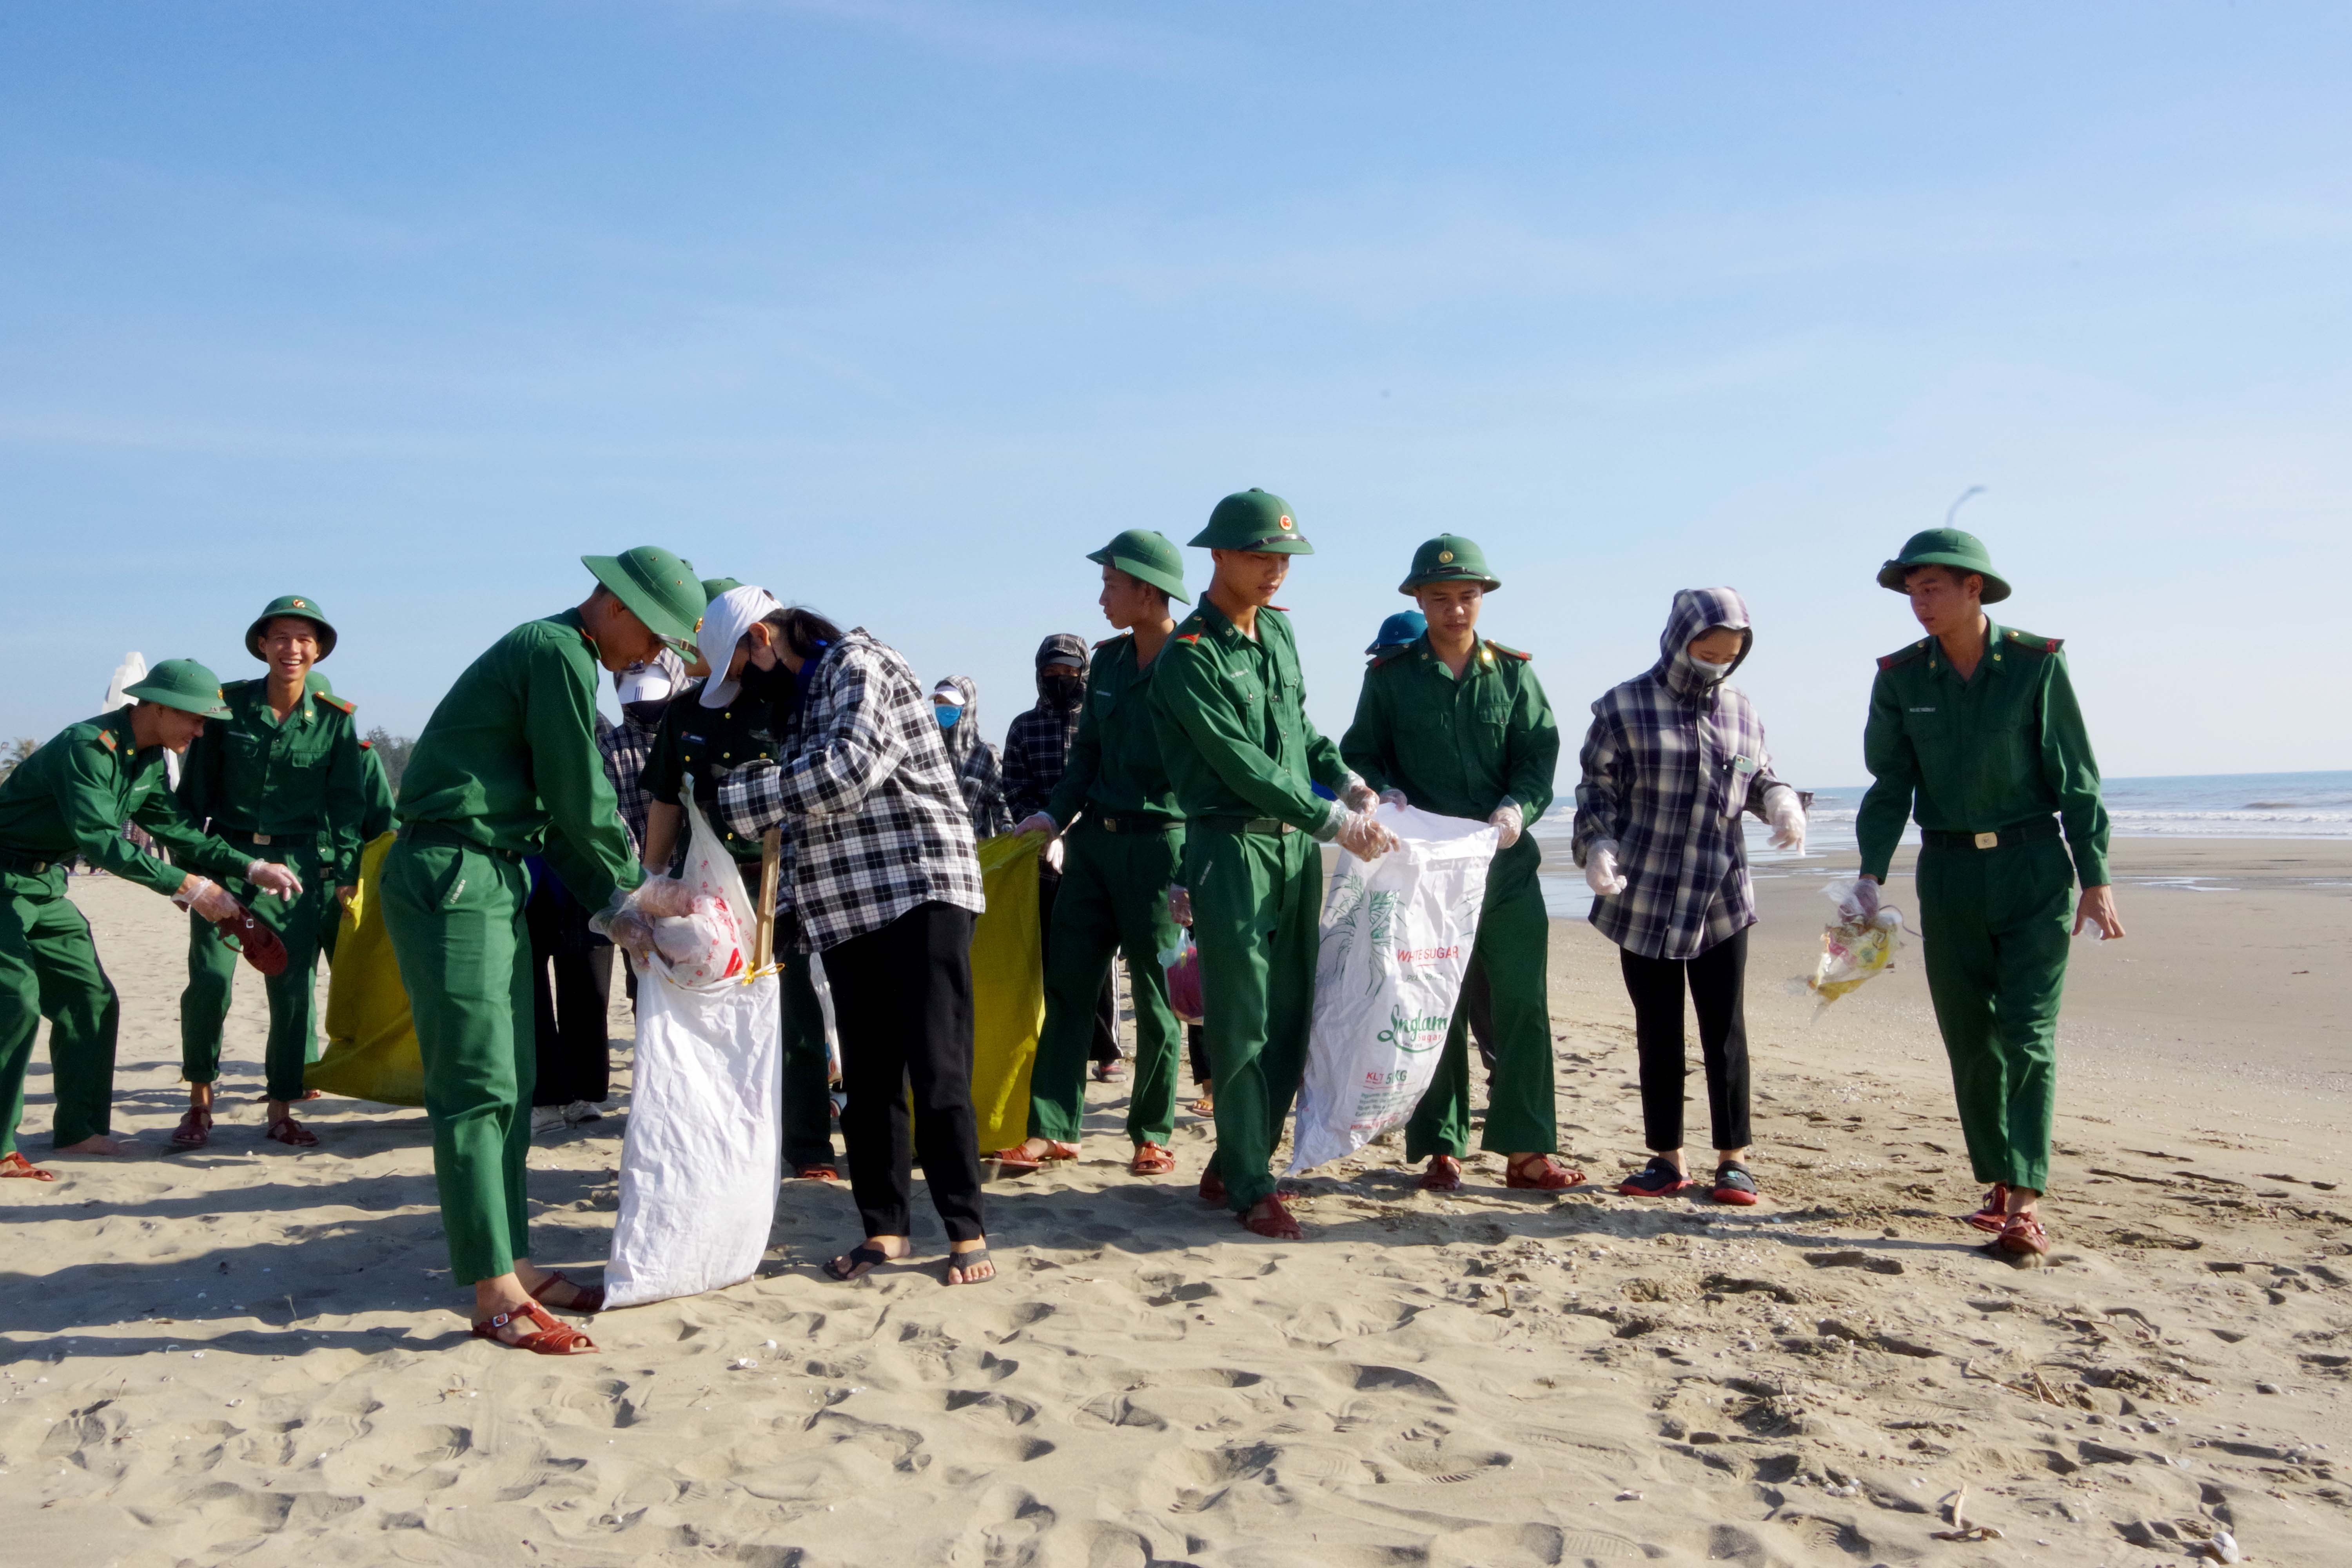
<point>252,633</point>
<point>1891,575</point>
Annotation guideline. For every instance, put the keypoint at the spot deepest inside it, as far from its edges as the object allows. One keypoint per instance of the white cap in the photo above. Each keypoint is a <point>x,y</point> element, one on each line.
<point>724,622</point>
<point>949,690</point>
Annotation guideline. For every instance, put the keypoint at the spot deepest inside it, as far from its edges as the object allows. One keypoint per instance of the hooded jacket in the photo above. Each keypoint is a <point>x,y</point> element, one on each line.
<point>1037,746</point>
<point>1671,760</point>
<point>979,771</point>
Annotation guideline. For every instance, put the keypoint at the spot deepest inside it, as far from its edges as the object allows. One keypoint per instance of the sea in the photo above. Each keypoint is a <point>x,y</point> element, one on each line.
<point>2195,805</point>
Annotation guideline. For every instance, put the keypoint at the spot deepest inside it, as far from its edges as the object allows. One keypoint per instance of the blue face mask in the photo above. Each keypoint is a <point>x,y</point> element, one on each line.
<point>947,715</point>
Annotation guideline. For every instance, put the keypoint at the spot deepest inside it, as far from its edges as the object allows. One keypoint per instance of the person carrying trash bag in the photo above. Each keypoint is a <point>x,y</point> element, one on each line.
<point>1115,814</point>
<point>508,768</point>
<point>1674,757</point>
<point>1457,724</point>
<point>1974,730</point>
<point>284,777</point>
<point>1243,759</point>
<point>69,798</point>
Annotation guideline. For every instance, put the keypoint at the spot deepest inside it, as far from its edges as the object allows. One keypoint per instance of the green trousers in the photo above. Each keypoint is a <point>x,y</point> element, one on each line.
<point>1513,949</point>
<point>293,992</point>
<point>456,918</point>
<point>1994,925</point>
<point>1114,899</point>
<point>1256,903</point>
<point>49,969</point>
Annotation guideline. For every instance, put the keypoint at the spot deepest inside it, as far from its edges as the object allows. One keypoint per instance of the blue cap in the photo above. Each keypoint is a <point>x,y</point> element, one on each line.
<point>1400,629</point>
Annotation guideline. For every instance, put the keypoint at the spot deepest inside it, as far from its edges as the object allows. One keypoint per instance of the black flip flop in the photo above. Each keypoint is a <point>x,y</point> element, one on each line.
<point>966,1260</point>
<point>863,1258</point>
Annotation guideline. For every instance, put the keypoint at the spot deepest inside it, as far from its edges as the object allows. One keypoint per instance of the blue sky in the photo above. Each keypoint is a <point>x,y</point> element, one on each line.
<point>901,308</point>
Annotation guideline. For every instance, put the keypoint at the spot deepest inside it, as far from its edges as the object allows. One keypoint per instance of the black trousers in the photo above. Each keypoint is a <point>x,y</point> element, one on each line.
<point>572,986</point>
<point>1196,1046</point>
<point>902,997</point>
<point>1718,980</point>
<point>1105,1042</point>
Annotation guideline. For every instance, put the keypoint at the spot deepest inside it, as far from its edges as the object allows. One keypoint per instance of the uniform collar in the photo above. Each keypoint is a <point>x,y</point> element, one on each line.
<point>256,693</point>
<point>1482,657</point>
<point>1990,664</point>
<point>118,722</point>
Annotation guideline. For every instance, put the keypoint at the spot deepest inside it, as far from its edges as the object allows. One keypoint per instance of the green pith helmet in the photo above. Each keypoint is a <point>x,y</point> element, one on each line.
<point>714,587</point>
<point>317,684</point>
<point>1944,547</point>
<point>1254,520</point>
<point>1449,558</point>
<point>658,588</point>
<point>291,605</point>
<point>184,684</point>
<point>1147,557</point>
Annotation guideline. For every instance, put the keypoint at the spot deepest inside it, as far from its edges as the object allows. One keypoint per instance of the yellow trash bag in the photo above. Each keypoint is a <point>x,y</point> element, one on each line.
<point>371,1039</point>
<point>1008,989</point>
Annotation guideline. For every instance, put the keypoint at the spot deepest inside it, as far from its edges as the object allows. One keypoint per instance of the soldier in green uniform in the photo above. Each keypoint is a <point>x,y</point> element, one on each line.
<point>506,768</point>
<point>72,798</point>
<point>375,820</point>
<point>1126,838</point>
<point>283,777</point>
<point>1458,725</point>
<point>1243,759</point>
<point>1974,730</point>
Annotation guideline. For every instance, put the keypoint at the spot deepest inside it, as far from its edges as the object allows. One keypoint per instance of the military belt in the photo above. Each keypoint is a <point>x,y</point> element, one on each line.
<point>1136,824</point>
<point>2039,831</point>
<point>442,833</point>
<point>1272,825</point>
<point>23,865</point>
<point>234,834</point>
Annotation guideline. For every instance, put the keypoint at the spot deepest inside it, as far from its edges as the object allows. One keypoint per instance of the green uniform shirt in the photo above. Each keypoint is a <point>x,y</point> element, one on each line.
<point>72,798</point>
<point>1114,764</point>
<point>301,779</point>
<point>710,742</point>
<point>1233,733</point>
<point>509,761</point>
<point>375,785</point>
<point>2003,747</point>
<point>1458,748</point>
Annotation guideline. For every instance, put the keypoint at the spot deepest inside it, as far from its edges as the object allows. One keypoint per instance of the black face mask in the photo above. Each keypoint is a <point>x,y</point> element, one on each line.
<point>1062,692</point>
<point>647,715</point>
<point>774,687</point>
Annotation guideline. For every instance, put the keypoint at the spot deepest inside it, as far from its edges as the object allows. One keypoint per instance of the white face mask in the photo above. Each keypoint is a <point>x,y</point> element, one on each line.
<point>1710,672</point>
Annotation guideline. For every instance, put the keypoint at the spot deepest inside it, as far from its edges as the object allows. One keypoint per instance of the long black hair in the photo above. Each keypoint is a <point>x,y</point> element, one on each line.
<point>804,631</point>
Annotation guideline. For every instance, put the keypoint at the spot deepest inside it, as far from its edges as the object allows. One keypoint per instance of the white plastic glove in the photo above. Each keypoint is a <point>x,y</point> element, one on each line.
<point>272,878</point>
<point>1788,818</point>
<point>208,898</point>
<point>658,897</point>
<point>628,928</point>
<point>1864,901</point>
<point>1394,797</point>
<point>1180,905</point>
<point>1510,822</point>
<point>1358,796</point>
<point>1052,854</point>
<point>1364,838</point>
<point>1037,822</point>
<point>1601,872</point>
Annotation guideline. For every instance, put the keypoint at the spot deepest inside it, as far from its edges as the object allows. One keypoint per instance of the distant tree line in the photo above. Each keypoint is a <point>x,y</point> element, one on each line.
<point>393,750</point>
<point>15,752</point>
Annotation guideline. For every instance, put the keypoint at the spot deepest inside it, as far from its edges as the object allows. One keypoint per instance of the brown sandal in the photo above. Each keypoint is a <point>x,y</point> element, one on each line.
<point>288,1131</point>
<point>1277,1224</point>
<point>2024,1236</point>
<point>817,1174</point>
<point>1993,1216</point>
<point>1540,1173</point>
<point>14,1164</point>
<point>1213,1187</point>
<point>1444,1175</point>
<point>551,1338</point>
<point>587,1300</point>
<point>1018,1161</point>
<point>194,1130</point>
<point>1151,1160</point>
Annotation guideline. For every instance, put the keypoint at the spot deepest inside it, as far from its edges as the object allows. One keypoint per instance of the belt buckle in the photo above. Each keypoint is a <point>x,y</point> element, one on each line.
<point>261,838</point>
<point>1987,840</point>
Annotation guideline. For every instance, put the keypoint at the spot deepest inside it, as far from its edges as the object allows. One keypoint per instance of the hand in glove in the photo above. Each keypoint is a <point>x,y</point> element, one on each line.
<point>1180,905</point>
<point>629,930</point>
<point>1365,838</point>
<point>1037,822</point>
<point>1601,872</point>
<point>261,945</point>
<point>272,878</point>
<point>1788,821</point>
<point>1358,796</point>
<point>208,898</point>
<point>1394,797</point>
<point>1864,903</point>
<point>1510,822</point>
<point>658,897</point>
<point>1052,854</point>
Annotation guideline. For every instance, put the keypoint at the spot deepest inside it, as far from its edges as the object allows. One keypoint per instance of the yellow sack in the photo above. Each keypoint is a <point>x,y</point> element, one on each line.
<point>371,1039</point>
<point>1008,989</point>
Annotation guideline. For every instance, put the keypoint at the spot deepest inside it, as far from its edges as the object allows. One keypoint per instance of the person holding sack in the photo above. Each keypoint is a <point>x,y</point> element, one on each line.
<point>1457,724</point>
<point>1116,813</point>
<point>72,797</point>
<point>1674,757</point>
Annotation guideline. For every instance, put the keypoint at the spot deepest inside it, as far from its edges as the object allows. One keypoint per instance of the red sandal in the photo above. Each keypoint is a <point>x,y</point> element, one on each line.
<point>1270,1218</point>
<point>2024,1236</point>
<point>551,1337</point>
<point>817,1174</point>
<point>1444,1175</point>
<point>1213,1187</point>
<point>288,1131</point>
<point>14,1164</point>
<point>587,1300</point>
<point>1993,1217</point>
<point>194,1130</point>
<point>1018,1161</point>
<point>1151,1160</point>
<point>1541,1174</point>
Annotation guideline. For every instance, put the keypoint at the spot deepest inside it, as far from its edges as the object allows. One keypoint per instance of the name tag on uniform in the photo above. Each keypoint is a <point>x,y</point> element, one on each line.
<point>1918,710</point>
<point>1743,764</point>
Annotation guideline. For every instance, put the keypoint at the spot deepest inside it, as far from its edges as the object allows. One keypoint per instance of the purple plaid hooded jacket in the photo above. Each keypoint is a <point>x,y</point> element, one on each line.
<point>1670,763</point>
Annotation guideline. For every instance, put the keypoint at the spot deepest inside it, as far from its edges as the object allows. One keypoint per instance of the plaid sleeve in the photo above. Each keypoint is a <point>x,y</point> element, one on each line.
<point>855,743</point>
<point>1601,790</point>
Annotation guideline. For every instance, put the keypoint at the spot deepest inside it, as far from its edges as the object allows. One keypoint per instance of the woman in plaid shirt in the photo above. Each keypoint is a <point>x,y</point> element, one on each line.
<point>1674,757</point>
<point>886,885</point>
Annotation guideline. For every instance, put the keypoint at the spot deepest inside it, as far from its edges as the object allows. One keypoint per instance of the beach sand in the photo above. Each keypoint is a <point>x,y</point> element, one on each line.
<point>256,1354</point>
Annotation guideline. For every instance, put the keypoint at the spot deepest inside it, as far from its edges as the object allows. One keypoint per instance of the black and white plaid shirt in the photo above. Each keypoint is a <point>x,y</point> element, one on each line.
<point>879,820</point>
<point>1036,751</point>
<point>625,746</point>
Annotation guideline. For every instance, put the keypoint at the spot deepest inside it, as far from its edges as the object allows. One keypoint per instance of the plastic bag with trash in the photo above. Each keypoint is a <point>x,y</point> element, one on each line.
<point>1183,964</point>
<point>1853,948</point>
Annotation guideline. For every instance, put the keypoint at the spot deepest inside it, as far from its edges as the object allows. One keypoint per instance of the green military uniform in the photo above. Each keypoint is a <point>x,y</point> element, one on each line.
<point>507,767</point>
<point>1119,860</point>
<point>292,791</point>
<point>1242,757</point>
<point>707,743</point>
<point>1991,767</point>
<point>1465,748</point>
<point>69,798</point>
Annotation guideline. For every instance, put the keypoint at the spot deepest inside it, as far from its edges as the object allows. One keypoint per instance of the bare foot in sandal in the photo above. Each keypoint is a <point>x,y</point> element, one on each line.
<point>866,1257</point>
<point>968,1263</point>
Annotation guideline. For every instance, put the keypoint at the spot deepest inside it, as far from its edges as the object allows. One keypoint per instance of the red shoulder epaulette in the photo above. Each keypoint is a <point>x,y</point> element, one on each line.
<point>331,700</point>
<point>1509,652</point>
<point>1107,641</point>
<point>1284,608</point>
<point>367,745</point>
<point>1904,655</point>
<point>106,738</point>
<point>1189,636</point>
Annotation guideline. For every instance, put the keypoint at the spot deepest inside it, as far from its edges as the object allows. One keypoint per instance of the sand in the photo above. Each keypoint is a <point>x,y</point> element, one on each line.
<point>255,1353</point>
